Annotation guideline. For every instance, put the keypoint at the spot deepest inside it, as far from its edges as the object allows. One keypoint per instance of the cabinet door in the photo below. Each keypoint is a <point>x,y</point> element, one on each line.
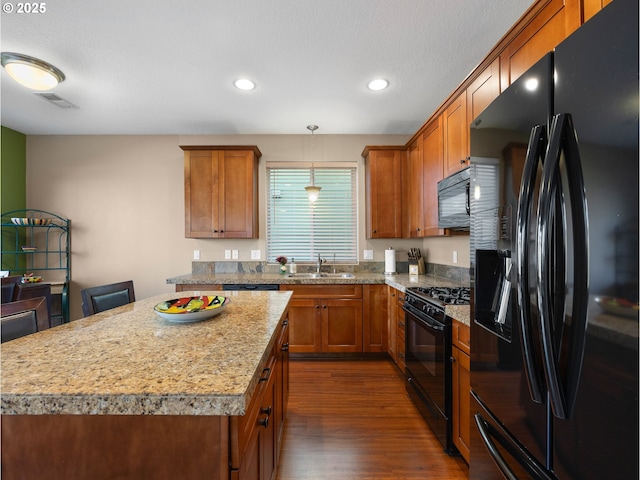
<point>400,332</point>
<point>433,165</point>
<point>267,428</point>
<point>591,7</point>
<point>483,90</point>
<point>201,193</point>
<point>461,402</point>
<point>392,301</point>
<point>375,319</point>
<point>415,187</point>
<point>341,325</point>
<point>542,34</point>
<point>238,194</point>
<point>456,135</point>
<point>305,326</point>
<point>383,192</point>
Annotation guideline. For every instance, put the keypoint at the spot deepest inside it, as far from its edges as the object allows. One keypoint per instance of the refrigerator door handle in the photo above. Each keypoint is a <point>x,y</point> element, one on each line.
<point>535,153</point>
<point>563,394</point>
<point>492,433</point>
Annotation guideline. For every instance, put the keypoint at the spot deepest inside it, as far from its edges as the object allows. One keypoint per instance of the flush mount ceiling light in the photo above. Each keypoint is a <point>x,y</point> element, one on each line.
<point>312,190</point>
<point>31,72</point>
<point>378,84</point>
<point>244,84</point>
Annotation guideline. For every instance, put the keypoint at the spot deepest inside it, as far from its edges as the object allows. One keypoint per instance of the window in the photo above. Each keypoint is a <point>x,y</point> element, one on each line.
<point>297,229</point>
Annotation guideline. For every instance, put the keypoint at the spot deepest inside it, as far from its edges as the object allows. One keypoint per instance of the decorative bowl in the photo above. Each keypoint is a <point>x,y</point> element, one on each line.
<point>192,309</point>
<point>31,221</point>
<point>31,278</point>
<point>617,306</point>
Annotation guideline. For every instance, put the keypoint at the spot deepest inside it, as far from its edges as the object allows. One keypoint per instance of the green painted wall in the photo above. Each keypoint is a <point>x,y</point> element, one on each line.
<point>13,170</point>
<point>13,183</point>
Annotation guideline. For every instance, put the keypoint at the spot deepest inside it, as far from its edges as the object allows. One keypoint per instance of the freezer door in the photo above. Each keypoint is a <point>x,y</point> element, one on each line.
<point>597,85</point>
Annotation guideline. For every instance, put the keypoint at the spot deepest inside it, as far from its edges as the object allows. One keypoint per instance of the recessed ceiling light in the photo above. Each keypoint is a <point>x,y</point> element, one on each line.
<point>378,84</point>
<point>31,72</point>
<point>244,84</point>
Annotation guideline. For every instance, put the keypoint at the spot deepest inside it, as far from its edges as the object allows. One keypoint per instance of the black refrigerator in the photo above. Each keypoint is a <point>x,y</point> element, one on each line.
<point>554,260</point>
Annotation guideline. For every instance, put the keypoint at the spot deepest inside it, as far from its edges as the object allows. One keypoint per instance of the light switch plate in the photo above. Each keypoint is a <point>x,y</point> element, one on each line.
<point>234,254</point>
<point>455,256</point>
<point>255,254</point>
<point>227,254</point>
<point>196,254</point>
<point>368,254</point>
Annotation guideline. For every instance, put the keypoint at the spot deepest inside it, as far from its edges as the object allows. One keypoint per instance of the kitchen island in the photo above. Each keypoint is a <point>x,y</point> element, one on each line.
<point>127,394</point>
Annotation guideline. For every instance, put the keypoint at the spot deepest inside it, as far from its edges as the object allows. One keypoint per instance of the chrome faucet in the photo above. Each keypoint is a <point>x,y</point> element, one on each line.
<point>319,263</point>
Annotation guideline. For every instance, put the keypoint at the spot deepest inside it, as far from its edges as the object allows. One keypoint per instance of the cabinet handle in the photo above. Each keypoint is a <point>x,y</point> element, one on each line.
<point>401,324</point>
<point>317,306</point>
<point>285,323</point>
<point>266,377</point>
<point>285,347</point>
<point>266,410</point>
<point>264,422</point>
<point>453,359</point>
<point>401,355</point>
<point>463,161</point>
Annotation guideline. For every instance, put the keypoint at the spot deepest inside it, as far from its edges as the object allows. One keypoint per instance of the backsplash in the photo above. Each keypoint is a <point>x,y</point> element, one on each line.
<point>458,274</point>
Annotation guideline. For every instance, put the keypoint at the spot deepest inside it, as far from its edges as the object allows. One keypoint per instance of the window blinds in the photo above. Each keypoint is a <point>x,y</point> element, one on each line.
<point>298,229</point>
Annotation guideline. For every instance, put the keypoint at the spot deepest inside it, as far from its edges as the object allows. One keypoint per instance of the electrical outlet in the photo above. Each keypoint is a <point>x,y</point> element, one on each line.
<point>255,254</point>
<point>196,254</point>
<point>368,254</point>
<point>455,256</point>
<point>234,254</point>
<point>227,254</point>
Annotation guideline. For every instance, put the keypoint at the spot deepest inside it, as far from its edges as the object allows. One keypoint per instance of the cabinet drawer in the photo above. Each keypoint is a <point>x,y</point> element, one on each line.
<point>461,334</point>
<point>324,291</point>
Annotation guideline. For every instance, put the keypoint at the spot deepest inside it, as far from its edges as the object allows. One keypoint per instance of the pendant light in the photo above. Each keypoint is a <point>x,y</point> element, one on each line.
<point>31,72</point>
<point>312,190</point>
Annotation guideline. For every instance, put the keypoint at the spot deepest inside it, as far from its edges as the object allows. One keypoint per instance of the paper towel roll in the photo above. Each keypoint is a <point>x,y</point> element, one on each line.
<point>389,261</point>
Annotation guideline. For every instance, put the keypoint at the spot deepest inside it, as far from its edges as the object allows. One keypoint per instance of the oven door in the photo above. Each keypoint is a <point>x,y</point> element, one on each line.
<point>428,371</point>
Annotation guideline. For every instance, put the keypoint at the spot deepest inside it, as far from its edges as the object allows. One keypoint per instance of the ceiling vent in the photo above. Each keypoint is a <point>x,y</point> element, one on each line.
<point>56,100</point>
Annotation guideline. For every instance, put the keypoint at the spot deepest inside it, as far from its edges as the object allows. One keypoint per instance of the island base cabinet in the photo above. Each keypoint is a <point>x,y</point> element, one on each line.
<point>159,447</point>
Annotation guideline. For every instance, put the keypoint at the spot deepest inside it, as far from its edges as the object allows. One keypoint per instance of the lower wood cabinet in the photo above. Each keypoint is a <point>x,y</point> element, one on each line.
<point>461,381</point>
<point>375,334</point>
<point>255,437</point>
<point>325,318</point>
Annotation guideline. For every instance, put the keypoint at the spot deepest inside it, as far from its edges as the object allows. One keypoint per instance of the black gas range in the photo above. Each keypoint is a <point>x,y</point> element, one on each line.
<point>428,355</point>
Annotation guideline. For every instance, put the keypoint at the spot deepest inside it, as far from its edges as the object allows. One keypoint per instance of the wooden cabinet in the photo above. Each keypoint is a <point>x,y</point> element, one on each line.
<point>374,321</point>
<point>256,436</point>
<point>591,7</point>
<point>383,191</point>
<point>456,135</point>
<point>484,89</point>
<point>461,388</point>
<point>396,327</point>
<point>325,318</point>
<point>189,287</point>
<point>552,24</point>
<point>221,191</point>
<point>433,172</point>
<point>414,186</point>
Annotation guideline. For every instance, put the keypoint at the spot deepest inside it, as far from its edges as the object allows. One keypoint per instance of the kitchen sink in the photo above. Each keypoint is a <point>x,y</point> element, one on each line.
<point>320,275</point>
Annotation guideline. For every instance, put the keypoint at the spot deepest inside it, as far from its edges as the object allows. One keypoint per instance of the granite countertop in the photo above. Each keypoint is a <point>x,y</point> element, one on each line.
<point>130,361</point>
<point>400,281</point>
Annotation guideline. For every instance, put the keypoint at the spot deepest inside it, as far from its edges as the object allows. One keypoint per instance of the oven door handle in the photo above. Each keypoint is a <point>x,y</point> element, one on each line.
<point>433,325</point>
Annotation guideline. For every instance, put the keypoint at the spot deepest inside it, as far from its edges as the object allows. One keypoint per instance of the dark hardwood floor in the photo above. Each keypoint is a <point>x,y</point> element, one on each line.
<point>352,419</point>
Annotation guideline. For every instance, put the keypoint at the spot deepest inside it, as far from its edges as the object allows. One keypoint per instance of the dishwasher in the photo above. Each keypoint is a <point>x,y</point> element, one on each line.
<point>251,286</point>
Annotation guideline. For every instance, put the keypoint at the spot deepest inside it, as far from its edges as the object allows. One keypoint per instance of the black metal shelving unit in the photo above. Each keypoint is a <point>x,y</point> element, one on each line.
<point>39,242</point>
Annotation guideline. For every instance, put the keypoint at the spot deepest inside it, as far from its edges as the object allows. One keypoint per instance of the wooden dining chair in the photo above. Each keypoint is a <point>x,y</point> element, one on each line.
<point>9,286</point>
<point>23,317</point>
<point>105,297</point>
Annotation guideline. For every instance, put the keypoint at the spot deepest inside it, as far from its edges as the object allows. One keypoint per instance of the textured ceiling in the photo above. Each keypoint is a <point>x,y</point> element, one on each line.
<point>160,67</point>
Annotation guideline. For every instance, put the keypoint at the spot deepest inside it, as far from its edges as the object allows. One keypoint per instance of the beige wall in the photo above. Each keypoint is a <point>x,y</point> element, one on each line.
<point>124,196</point>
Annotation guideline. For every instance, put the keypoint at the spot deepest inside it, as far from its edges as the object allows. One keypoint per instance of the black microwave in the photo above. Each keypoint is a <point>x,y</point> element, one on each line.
<point>453,201</point>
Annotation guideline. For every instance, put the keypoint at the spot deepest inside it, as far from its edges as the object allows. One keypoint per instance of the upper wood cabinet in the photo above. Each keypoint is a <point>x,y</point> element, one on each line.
<point>591,7</point>
<point>455,129</point>
<point>414,187</point>
<point>221,191</point>
<point>552,24</point>
<point>433,172</point>
<point>484,89</point>
<point>383,174</point>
